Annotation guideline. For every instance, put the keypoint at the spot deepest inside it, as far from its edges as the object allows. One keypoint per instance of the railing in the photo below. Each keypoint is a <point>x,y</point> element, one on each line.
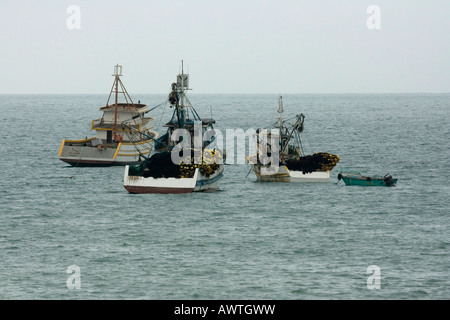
<point>101,124</point>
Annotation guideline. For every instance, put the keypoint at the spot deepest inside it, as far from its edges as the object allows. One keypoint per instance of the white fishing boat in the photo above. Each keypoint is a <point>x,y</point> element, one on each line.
<point>199,181</point>
<point>114,143</point>
<point>201,166</point>
<point>293,165</point>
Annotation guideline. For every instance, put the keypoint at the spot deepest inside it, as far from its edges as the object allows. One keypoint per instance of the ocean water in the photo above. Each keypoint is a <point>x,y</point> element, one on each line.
<point>250,240</point>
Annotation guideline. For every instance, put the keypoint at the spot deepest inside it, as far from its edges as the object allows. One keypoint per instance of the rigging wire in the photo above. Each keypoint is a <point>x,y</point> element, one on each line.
<point>162,114</point>
<point>134,135</point>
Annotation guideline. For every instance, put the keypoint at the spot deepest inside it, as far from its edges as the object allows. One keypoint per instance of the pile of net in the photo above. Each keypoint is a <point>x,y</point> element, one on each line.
<point>208,161</point>
<point>188,170</point>
<point>321,161</point>
<point>160,165</point>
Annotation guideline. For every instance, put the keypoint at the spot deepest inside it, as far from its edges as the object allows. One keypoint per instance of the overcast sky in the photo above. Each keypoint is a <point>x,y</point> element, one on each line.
<point>231,46</point>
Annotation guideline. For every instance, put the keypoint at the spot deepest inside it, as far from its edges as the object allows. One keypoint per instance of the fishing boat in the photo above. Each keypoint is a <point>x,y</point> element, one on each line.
<point>113,143</point>
<point>292,165</point>
<point>186,158</point>
<point>354,178</point>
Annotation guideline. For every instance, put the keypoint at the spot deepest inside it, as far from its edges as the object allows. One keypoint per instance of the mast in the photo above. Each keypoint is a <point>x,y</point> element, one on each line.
<point>118,88</point>
<point>182,85</point>
<point>117,74</point>
<point>280,119</point>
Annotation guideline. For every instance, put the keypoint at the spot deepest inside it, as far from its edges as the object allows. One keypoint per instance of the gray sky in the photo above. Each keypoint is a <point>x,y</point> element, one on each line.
<point>231,46</point>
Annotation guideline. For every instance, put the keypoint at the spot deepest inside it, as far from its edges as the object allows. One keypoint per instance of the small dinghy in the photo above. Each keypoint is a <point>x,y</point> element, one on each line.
<point>353,178</point>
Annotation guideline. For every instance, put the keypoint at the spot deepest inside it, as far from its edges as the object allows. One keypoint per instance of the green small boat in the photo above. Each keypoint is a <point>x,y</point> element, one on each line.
<point>353,178</point>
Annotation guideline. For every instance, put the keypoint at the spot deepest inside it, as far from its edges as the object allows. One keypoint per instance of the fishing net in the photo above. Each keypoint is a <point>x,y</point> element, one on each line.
<point>321,161</point>
<point>160,165</point>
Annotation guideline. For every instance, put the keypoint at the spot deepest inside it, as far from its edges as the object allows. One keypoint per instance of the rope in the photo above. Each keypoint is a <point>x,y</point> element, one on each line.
<point>164,110</point>
<point>248,173</point>
<point>79,159</point>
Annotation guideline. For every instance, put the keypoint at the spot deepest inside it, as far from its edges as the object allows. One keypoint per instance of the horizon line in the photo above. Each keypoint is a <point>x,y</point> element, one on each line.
<point>241,93</point>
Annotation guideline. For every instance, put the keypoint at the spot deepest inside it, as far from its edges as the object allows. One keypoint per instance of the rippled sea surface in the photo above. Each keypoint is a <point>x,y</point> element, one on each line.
<point>250,240</point>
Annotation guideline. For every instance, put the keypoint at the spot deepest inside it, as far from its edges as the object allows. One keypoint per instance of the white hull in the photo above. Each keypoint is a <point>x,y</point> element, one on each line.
<point>83,153</point>
<point>138,184</point>
<point>285,175</point>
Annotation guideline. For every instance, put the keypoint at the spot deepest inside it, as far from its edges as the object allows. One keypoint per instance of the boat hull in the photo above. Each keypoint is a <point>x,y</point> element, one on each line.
<point>88,163</point>
<point>349,181</point>
<point>163,190</point>
<point>82,153</point>
<point>139,184</point>
<point>354,178</point>
<point>285,175</point>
